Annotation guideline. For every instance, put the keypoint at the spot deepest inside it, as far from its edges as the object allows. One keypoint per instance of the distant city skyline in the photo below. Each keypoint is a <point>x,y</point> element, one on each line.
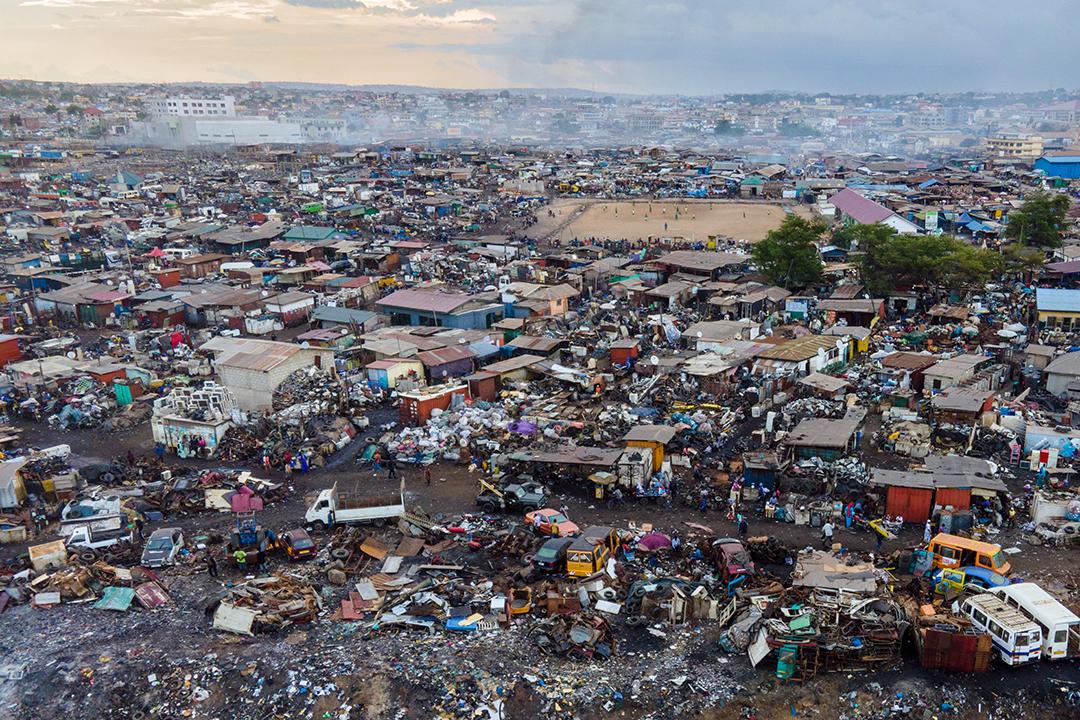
<point>633,46</point>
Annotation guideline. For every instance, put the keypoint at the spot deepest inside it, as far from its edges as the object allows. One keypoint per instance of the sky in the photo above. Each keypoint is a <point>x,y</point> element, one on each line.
<point>696,47</point>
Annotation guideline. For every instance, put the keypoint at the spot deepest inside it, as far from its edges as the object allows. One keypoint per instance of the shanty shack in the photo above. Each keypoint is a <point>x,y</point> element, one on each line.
<point>253,369</point>
<point>945,481</point>
<point>447,362</point>
<point>825,439</point>
<point>651,437</point>
<point>417,405</point>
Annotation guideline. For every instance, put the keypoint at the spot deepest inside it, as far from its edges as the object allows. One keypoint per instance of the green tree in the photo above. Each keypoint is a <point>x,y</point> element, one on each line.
<point>1019,259</point>
<point>891,261</point>
<point>74,110</point>
<point>1039,220</point>
<point>788,255</point>
<point>51,109</point>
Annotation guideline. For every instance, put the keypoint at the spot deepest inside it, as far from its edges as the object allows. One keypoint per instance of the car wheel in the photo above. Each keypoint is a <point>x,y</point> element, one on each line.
<point>319,526</point>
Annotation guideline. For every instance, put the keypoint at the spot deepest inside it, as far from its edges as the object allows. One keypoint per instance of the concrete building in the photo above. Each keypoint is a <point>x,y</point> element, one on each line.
<point>253,369</point>
<point>1057,308</point>
<point>1061,372</point>
<point>1014,147</point>
<point>184,106</point>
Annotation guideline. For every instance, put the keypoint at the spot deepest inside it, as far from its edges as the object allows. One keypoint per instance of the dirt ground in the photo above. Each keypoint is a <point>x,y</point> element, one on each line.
<point>689,220</point>
<point>403,675</point>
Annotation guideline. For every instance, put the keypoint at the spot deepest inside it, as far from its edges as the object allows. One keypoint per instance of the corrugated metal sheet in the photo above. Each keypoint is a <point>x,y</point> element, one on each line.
<point>912,503</point>
<point>151,595</point>
<point>959,498</point>
<point>115,598</point>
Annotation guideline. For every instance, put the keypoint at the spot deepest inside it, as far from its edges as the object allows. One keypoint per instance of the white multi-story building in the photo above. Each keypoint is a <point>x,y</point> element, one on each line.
<point>184,106</point>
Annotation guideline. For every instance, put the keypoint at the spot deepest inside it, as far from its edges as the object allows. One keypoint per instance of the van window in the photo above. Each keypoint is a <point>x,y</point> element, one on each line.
<point>947,552</point>
<point>998,559</point>
<point>980,617</point>
<point>984,560</point>
<point>1061,636</point>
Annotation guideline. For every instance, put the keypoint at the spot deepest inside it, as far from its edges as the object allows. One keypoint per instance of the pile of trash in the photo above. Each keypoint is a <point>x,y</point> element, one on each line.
<point>584,636</point>
<point>449,430</point>
<point>316,391</point>
<point>267,604</point>
<point>810,407</point>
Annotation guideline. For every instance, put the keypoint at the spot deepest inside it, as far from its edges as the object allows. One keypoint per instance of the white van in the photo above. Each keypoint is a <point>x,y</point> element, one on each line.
<point>1059,625</point>
<point>1017,639</point>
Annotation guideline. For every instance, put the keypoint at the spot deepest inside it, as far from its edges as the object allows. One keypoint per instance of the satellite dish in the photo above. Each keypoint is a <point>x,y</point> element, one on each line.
<point>699,333</point>
<point>654,360</point>
<point>70,355</point>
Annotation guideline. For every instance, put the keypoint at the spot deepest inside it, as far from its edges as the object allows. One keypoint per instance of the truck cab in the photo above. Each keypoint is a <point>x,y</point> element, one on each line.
<point>85,536</point>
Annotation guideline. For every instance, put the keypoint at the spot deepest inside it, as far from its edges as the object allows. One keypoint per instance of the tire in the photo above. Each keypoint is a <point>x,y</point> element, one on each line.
<point>528,559</point>
<point>106,478</point>
<point>608,594</point>
<point>88,556</point>
<point>319,526</point>
<point>635,621</point>
<point>340,553</point>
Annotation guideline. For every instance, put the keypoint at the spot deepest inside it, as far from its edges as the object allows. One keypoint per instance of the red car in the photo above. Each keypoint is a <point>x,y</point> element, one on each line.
<point>732,559</point>
<point>549,520</point>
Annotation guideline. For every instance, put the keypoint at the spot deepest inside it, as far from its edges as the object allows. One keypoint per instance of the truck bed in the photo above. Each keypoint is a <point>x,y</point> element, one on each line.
<point>360,502</point>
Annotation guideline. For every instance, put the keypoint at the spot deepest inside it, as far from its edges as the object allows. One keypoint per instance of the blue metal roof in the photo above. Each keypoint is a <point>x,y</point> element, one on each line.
<point>1055,159</point>
<point>1057,299</point>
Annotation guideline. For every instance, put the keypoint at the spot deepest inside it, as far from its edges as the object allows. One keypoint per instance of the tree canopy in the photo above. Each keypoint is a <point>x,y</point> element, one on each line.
<point>1039,221</point>
<point>788,255</point>
<point>891,261</point>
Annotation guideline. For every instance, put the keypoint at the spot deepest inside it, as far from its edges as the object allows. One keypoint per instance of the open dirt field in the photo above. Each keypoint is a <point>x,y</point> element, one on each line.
<point>691,220</point>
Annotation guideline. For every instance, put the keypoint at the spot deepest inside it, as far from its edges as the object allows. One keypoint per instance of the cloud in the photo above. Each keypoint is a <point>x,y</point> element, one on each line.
<point>219,9</point>
<point>71,3</point>
<point>327,4</point>
<point>639,46</point>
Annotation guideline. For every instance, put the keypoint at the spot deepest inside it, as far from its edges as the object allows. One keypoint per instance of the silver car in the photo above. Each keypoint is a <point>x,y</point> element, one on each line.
<point>162,546</point>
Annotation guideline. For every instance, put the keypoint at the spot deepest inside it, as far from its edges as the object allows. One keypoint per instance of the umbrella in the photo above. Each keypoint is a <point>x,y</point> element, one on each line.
<point>654,541</point>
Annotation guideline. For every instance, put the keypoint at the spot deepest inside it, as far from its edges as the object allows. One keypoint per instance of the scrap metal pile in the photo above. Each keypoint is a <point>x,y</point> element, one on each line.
<point>267,604</point>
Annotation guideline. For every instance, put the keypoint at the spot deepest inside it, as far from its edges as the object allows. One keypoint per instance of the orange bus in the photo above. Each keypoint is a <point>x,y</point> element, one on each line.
<point>954,552</point>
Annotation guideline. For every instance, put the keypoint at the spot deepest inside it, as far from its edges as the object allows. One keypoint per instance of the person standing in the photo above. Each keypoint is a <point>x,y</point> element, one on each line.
<point>211,565</point>
<point>139,528</point>
<point>391,467</point>
<point>743,526</point>
<point>427,475</point>
<point>928,532</point>
<point>827,531</point>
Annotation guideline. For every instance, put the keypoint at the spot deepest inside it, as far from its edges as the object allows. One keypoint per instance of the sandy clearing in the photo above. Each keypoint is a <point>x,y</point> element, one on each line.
<point>692,220</point>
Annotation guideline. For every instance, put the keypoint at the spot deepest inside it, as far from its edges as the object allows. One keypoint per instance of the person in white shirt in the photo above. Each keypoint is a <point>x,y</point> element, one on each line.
<point>827,531</point>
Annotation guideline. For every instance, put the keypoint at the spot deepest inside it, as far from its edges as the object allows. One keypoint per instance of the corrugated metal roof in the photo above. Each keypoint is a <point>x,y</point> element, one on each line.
<point>444,356</point>
<point>859,208</point>
<point>1057,299</point>
<point>424,300</point>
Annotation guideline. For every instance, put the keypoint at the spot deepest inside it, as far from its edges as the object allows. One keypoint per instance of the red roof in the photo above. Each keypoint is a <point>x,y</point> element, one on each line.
<point>862,210</point>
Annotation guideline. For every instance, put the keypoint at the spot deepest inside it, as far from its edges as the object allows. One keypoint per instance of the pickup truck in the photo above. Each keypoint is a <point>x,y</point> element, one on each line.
<point>86,536</point>
<point>333,507</point>
<point>523,496</point>
<point>97,523</point>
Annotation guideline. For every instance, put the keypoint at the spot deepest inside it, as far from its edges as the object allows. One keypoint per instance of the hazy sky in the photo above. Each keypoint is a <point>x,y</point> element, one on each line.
<point>679,46</point>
